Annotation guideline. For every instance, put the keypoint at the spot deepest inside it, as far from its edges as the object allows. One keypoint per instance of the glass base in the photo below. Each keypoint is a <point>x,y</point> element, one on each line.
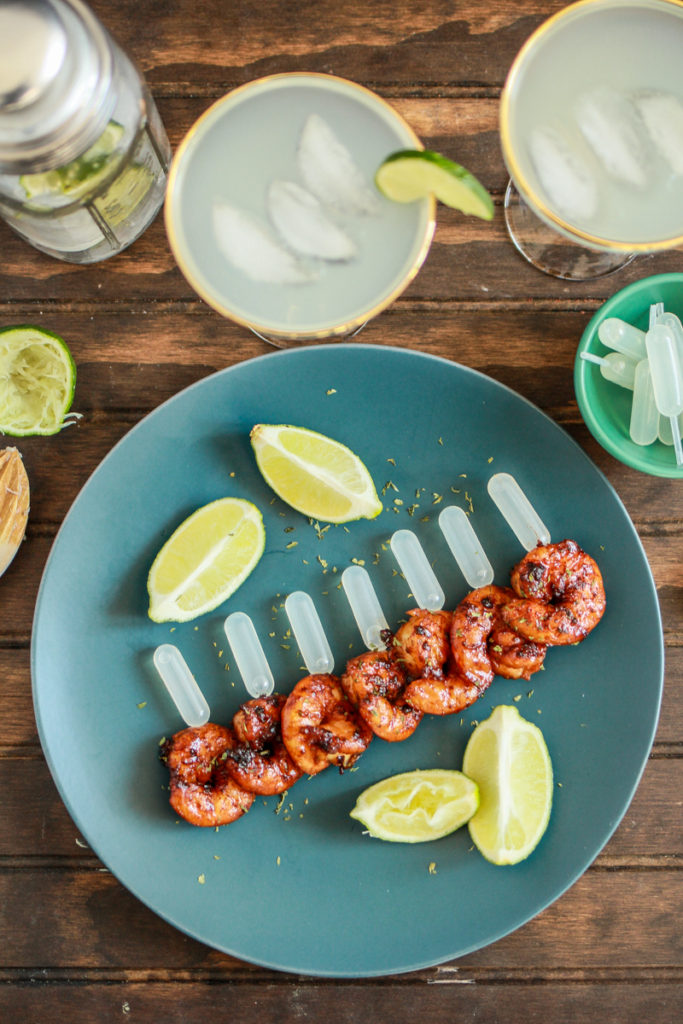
<point>549,251</point>
<point>278,342</point>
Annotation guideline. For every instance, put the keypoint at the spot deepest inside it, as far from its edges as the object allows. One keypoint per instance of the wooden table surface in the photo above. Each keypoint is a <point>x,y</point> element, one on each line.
<point>74,944</point>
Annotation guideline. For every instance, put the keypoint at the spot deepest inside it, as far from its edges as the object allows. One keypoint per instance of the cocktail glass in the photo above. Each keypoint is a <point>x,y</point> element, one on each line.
<point>591,124</point>
<point>230,160</point>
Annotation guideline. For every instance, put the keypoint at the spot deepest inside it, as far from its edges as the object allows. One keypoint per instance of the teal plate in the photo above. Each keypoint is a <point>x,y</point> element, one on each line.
<point>295,885</point>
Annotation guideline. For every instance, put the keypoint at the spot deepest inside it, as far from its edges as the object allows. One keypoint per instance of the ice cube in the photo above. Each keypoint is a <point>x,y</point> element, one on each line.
<point>662,114</point>
<point>609,122</point>
<point>564,175</point>
<point>252,248</point>
<point>330,172</point>
<point>304,225</point>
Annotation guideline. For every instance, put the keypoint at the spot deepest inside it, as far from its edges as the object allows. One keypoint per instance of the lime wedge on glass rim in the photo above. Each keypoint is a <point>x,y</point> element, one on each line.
<point>37,381</point>
<point>314,474</point>
<point>417,806</point>
<point>412,174</point>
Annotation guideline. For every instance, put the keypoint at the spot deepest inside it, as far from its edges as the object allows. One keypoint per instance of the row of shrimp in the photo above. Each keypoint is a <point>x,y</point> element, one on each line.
<point>437,663</point>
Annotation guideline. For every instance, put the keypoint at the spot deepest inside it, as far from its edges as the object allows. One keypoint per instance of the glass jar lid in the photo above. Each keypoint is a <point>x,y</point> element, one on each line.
<point>55,73</point>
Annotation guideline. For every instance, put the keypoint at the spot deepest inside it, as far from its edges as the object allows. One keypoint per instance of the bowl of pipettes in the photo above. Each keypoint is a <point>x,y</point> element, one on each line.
<point>628,375</point>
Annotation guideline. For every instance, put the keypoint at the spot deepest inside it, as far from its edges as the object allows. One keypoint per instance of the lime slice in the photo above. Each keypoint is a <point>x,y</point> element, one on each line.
<point>79,175</point>
<point>418,806</point>
<point>317,476</point>
<point>205,560</point>
<point>37,381</point>
<point>509,760</point>
<point>414,174</point>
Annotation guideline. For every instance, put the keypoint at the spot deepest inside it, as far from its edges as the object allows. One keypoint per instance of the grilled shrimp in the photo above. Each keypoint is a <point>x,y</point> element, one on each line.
<point>561,595</point>
<point>445,695</point>
<point>375,683</point>
<point>321,727</point>
<point>421,644</point>
<point>202,791</point>
<point>258,760</point>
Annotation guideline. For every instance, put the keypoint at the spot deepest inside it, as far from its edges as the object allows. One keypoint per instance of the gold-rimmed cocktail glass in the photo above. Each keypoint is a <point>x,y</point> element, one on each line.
<point>629,48</point>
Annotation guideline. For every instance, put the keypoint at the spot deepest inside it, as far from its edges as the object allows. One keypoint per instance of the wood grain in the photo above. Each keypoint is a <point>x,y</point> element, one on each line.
<point>76,946</point>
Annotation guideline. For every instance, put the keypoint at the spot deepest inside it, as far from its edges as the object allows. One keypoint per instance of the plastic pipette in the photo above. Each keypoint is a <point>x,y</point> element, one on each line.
<point>366,608</point>
<point>309,633</point>
<point>622,337</point>
<point>672,321</point>
<point>665,432</point>
<point>644,412</point>
<point>418,573</point>
<point>465,546</point>
<point>181,685</point>
<point>615,366</point>
<point>518,511</point>
<point>248,653</point>
<point>666,373</point>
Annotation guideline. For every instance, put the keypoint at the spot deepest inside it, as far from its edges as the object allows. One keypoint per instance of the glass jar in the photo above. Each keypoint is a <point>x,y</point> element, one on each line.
<point>83,153</point>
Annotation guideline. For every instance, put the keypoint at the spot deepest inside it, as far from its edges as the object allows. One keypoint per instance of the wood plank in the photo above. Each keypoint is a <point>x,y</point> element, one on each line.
<point>467,263</point>
<point>469,260</point>
<point>414,43</point>
<point>19,585</point>
<point>74,920</point>
<point>19,735</point>
<point>36,824</point>
<point>433,1000</point>
<point>153,355</point>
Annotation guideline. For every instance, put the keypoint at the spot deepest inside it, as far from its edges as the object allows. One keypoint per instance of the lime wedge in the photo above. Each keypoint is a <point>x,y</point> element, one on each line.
<point>509,760</point>
<point>316,475</point>
<point>414,174</point>
<point>418,806</point>
<point>37,381</point>
<point>205,560</point>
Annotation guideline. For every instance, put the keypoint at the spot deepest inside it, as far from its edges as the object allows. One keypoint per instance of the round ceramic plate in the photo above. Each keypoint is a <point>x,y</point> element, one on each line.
<point>295,884</point>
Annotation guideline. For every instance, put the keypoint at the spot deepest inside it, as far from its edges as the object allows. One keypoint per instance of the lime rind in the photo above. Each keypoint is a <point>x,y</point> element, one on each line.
<point>37,382</point>
<point>412,174</point>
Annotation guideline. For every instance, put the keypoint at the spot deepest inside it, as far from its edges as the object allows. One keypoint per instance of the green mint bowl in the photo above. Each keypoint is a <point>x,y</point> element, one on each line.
<point>606,407</point>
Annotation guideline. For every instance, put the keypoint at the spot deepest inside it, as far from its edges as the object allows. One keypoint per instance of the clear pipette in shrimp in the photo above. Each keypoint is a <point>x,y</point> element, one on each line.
<point>181,685</point>
<point>366,609</point>
<point>248,653</point>
<point>309,633</point>
<point>417,571</point>
<point>465,546</point>
<point>518,511</point>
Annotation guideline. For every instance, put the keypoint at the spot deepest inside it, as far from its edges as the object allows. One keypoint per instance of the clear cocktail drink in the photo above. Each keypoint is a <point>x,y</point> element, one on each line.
<point>592,123</point>
<point>273,216</point>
